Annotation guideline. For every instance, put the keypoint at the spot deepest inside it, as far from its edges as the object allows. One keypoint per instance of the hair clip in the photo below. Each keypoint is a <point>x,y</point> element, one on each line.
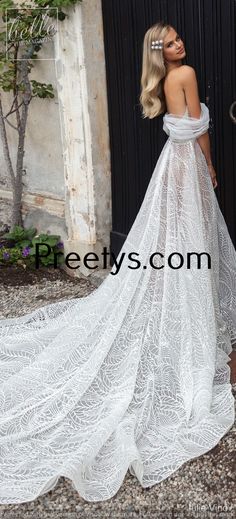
<point>158,44</point>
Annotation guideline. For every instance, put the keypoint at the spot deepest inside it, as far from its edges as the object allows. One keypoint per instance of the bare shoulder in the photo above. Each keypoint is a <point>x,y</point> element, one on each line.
<point>186,69</point>
<point>187,73</point>
<point>182,73</point>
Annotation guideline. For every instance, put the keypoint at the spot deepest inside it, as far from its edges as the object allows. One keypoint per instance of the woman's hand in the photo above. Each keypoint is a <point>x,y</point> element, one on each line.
<point>213,175</point>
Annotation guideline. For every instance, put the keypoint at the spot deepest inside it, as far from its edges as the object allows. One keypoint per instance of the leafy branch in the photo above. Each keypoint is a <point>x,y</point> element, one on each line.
<point>27,29</point>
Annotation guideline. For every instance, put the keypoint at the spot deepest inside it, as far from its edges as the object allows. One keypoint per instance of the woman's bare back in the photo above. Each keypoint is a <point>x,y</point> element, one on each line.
<point>174,92</point>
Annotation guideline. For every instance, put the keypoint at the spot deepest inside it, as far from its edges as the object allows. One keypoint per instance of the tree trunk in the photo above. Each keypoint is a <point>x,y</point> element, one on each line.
<point>16,179</point>
<point>6,152</point>
<point>27,96</point>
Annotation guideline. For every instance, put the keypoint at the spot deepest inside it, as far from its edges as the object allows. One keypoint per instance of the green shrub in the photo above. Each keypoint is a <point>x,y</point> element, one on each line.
<point>19,247</point>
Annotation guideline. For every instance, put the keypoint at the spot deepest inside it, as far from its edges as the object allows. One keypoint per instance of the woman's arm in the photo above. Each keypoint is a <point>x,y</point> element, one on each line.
<point>190,87</point>
<point>204,143</point>
<point>189,84</point>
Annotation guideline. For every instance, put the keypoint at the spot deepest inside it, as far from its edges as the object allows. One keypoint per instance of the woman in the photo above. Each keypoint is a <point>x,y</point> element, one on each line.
<point>166,83</point>
<point>135,375</point>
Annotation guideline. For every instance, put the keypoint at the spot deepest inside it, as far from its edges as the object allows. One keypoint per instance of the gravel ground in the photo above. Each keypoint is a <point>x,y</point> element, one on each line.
<point>203,487</point>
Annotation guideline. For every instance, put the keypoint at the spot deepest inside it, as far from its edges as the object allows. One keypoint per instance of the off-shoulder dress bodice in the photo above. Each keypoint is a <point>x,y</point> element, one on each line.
<point>183,127</point>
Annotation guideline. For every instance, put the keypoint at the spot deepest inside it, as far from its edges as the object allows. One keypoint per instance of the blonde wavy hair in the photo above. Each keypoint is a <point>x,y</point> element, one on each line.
<point>152,97</point>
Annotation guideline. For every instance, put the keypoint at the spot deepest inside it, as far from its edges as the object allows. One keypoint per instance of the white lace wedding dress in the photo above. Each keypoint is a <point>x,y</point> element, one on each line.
<point>135,375</point>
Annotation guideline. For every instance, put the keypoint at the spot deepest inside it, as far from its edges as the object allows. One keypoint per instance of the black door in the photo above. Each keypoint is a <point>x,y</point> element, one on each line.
<point>208,30</point>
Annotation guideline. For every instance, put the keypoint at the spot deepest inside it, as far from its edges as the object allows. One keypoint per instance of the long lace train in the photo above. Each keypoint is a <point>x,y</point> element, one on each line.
<point>135,375</point>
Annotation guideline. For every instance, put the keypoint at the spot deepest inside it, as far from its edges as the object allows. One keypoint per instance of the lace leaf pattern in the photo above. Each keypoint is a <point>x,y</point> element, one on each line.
<point>134,375</point>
